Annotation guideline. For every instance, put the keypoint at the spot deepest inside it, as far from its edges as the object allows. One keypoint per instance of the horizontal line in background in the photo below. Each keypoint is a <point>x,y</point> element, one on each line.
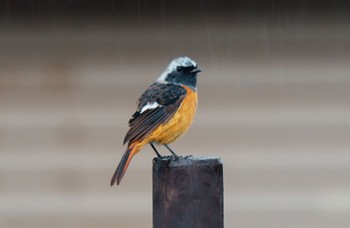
<point>276,116</point>
<point>302,117</point>
<point>319,201</point>
<point>194,31</point>
<point>252,160</point>
<point>223,71</point>
<point>126,204</point>
<point>61,204</point>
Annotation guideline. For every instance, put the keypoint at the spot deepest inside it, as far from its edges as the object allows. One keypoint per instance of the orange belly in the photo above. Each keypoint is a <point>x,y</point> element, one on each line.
<point>179,123</point>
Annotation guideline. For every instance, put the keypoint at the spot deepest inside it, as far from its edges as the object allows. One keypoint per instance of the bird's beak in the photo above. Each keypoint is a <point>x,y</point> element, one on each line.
<point>195,71</point>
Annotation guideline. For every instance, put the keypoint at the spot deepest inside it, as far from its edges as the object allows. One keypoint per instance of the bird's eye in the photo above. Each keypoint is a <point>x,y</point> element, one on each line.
<point>179,68</point>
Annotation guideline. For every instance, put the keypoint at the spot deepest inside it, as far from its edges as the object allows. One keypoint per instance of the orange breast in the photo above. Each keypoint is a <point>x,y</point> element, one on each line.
<point>179,123</point>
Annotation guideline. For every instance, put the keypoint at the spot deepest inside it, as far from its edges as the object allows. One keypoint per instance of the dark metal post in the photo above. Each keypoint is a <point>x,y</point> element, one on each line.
<point>187,192</point>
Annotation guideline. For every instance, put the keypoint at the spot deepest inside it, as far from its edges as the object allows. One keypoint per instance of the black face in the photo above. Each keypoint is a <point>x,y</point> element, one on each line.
<point>184,75</point>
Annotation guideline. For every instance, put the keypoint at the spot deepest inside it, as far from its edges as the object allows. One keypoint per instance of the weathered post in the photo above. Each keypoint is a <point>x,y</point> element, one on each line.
<point>187,192</point>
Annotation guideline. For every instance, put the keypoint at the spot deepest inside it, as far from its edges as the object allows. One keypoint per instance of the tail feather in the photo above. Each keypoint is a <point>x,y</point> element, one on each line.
<point>123,164</point>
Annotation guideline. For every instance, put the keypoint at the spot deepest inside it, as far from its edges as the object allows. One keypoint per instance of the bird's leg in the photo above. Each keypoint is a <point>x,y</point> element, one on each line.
<point>155,150</point>
<point>175,155</point>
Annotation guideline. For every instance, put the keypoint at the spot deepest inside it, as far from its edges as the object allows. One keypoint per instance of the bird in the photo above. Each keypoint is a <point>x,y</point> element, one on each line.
<point>165,111</point>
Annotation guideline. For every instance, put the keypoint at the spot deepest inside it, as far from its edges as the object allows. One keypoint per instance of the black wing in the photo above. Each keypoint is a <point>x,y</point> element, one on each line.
<point>169,98</point>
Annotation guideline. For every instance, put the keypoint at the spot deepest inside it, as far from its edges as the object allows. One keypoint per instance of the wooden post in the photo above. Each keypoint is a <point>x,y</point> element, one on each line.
<point>187,192</point>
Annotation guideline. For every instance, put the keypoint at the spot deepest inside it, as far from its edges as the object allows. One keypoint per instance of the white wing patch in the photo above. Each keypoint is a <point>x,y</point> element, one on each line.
<point>149,106</point>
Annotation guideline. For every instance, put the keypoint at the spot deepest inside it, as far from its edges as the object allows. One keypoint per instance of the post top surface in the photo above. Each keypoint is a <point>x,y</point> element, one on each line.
<point>188,160</point>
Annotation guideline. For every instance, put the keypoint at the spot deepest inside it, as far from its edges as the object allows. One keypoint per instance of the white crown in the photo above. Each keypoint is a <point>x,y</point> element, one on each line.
<point>181,61</point>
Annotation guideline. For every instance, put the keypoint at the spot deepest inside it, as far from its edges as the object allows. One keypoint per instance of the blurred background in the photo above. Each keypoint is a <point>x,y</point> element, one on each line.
<point>274,104</point>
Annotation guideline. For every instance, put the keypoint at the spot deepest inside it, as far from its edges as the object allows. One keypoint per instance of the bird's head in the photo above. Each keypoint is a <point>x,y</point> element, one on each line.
<point>182,70</point>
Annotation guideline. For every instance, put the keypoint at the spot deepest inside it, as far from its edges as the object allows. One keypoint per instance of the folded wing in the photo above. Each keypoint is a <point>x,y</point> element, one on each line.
<point>155,107</point>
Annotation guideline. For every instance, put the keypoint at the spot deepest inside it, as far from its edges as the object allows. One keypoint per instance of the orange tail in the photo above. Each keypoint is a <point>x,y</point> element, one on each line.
<point>124,163</point>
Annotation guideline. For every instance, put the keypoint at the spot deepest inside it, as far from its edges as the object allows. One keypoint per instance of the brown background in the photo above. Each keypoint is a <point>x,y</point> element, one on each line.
<point>274,104</point>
